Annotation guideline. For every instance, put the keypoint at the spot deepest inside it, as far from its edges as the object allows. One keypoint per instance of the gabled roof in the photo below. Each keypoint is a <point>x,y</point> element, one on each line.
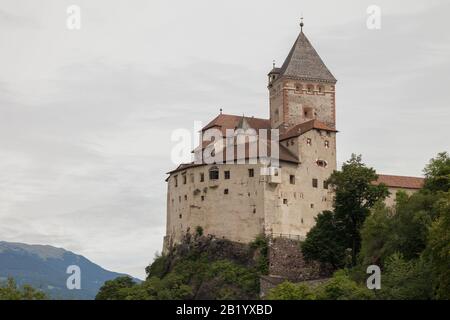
<point>400,181</point>
<point>303,62</point>
<point>228,121</point>
<point>284,155</point>
<point>304,127</point>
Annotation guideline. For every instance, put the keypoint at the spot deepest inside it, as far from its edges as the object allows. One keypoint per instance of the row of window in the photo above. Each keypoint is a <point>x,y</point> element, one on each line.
<point>326,143</point>
<point>315,182</point>
<point>213,175</point>
<point>309,88</point>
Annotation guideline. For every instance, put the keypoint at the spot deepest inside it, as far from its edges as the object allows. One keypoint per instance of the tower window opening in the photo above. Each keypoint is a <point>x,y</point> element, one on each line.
<point>227,174</point>
<point>327,144</point>
<point>175,178</point>
<point>214,173</point>
<point>314,183</point>
<point>184,179</point>
<point>225,191</point>
<point>202,177</point>
<point>321,163</point>
<point>308,141</point>
<point>292,179</point>
<point>251,173</point>
<point>285,201</point>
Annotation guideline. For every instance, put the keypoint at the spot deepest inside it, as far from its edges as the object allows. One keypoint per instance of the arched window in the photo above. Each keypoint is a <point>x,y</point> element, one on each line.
<point>213,173</point>
<point>321,163</point>
<point>310,88</point>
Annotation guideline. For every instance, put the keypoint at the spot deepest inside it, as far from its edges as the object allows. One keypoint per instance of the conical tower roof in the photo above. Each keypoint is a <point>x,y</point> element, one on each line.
<point>303,62</point>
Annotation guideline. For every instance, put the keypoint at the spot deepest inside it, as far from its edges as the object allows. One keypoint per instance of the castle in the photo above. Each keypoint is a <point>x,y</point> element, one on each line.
<point>237,199</point>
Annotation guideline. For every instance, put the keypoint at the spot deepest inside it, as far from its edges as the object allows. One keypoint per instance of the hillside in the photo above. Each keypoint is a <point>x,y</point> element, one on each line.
<point>44,267</point>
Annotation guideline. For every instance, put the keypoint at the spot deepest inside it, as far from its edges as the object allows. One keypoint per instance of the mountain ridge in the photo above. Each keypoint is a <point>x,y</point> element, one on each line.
<point>44,267</point>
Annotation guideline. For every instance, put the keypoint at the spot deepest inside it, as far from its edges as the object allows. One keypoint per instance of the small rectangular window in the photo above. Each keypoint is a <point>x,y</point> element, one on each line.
<point>251,173</point>
<point>285,201</point>
<point>292,179</point>
<point>308,141</point>
<point>325,184</point>
<point>176,181</point>
<point>312,205</point>
<point>185,197</point>
<point>213,174</point>
<point>203,198</point>
<point>314,183</point>
<point>184,179</point>
<point>327,144</point>
<point>227,174</point>
<point>202,177</point>
<point>225,191</point>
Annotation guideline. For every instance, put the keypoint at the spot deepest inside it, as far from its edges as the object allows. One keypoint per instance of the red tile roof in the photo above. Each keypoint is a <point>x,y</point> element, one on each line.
<point>228,121</point>
<point>301,128</point>
<point>400,181</point>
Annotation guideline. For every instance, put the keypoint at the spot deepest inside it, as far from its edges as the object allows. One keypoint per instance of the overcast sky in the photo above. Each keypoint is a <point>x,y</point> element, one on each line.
<point>86,115</point>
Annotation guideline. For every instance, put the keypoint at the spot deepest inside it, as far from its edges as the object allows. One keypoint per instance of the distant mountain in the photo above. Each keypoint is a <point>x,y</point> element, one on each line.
<point>44,267</point>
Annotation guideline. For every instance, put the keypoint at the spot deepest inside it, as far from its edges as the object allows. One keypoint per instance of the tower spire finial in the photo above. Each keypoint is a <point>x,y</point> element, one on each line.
<point>301,23</point>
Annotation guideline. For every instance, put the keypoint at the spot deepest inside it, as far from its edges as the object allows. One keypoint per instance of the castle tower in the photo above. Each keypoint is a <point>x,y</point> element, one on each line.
<point>302,89</point>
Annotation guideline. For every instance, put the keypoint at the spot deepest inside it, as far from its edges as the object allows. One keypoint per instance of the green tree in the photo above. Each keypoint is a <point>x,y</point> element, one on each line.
<point>291,291</point>
<point>10,291</point>
<point>406,279</point>
<point>355,195</point>
<point>376,234</point>
<point>342,287</point>
<point>159,267</point>
<point>116,289</point>
<point>438,249</point>
<point>437,173</point>
<point>324,242</point>
<point>403,228</point>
